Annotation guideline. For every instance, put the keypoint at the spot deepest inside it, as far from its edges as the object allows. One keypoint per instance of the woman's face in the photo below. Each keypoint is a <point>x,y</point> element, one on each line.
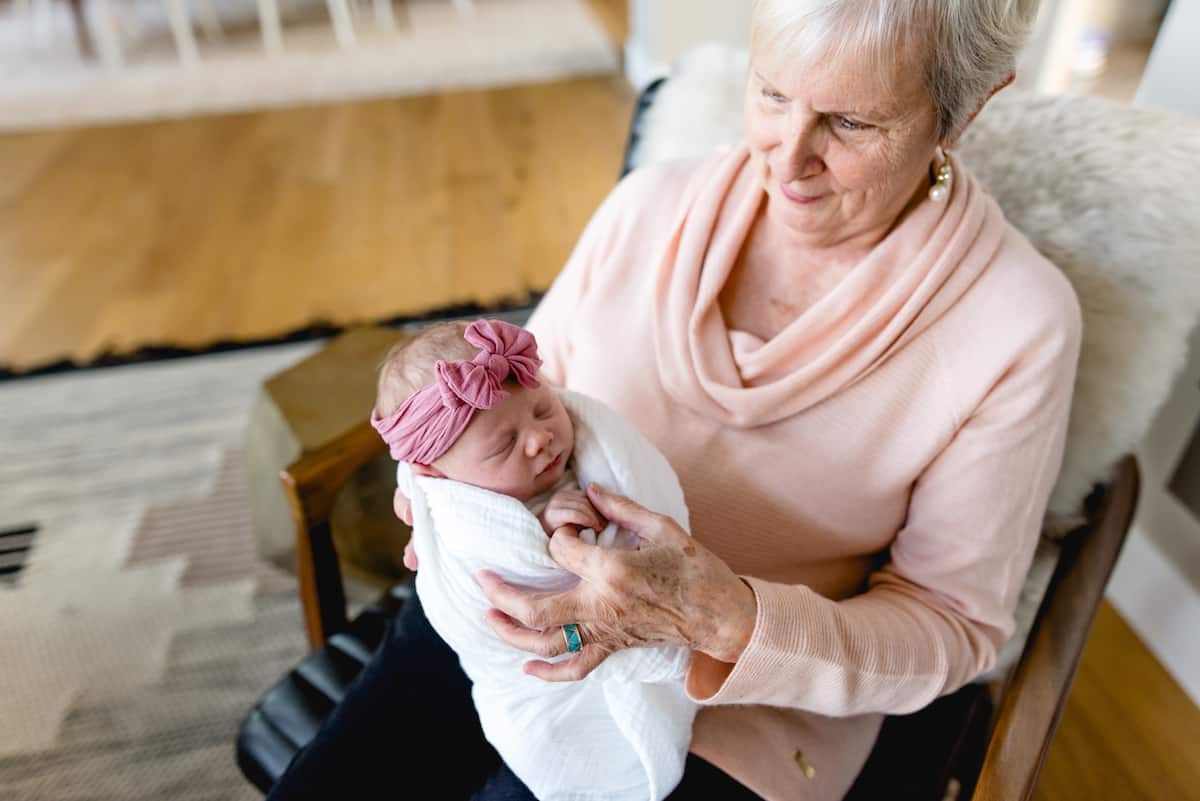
<point>840,153</point>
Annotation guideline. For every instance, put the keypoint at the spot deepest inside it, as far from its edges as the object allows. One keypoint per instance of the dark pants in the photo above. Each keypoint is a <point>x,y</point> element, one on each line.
<point>408,718</point>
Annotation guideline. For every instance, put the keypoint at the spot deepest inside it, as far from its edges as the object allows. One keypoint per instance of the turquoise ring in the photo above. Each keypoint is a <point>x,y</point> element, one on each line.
<point>571,635</point>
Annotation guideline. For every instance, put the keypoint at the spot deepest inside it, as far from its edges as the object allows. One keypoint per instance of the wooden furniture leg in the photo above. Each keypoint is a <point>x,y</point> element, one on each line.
<point>209,20</point>
<point>385,17</point>
<point>343,26</point>
<point>83,35</point>
<point>268,24</point>
<point>104,32</point>
<point>181,29</point>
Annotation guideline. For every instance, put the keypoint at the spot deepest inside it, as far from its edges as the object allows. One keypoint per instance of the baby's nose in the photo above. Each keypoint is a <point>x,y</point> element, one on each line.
<point>538,441</point>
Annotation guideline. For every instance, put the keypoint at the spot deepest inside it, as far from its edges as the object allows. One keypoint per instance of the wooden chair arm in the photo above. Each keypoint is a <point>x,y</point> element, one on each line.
<point>1037,691</point>
<point>312,484</point>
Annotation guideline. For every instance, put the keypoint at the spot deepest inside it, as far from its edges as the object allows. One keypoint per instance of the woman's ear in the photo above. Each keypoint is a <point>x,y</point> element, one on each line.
<point>1012,76</point>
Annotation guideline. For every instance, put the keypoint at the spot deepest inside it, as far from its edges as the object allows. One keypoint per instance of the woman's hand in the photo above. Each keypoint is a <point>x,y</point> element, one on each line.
<point>671,591</point>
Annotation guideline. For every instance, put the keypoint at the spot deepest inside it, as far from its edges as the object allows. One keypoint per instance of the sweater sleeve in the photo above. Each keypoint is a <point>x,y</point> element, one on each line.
<point>935,615</point>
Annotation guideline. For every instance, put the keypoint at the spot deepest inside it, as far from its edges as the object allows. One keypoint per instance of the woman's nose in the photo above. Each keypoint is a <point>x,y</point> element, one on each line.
<point>799,145</point>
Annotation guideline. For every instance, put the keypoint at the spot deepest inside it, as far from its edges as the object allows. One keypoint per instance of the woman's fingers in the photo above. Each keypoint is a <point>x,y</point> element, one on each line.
<point>545,644</point>
<point>574,554</point>
<point>572,669</point>
<point>628,514</point>
<point>534,610</point>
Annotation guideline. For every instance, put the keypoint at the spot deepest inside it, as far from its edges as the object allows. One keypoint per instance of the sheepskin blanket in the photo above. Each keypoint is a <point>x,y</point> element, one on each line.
<point>1109,193</point>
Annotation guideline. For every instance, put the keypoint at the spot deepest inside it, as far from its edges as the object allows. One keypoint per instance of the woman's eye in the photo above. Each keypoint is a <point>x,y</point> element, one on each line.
<point>772,95</point>
<point>847,124</point>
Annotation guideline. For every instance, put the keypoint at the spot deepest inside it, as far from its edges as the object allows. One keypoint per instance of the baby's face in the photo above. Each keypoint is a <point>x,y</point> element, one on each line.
<point>519,448</point>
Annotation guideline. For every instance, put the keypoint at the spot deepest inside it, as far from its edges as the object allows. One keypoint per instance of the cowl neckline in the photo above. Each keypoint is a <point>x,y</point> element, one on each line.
<point>917,272</point>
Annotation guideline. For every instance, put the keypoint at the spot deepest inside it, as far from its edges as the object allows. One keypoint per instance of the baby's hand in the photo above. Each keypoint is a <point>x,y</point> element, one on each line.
<point>571,507</point>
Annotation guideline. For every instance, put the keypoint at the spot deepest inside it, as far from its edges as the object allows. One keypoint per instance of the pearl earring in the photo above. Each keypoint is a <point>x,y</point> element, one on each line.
<point>943,178</point>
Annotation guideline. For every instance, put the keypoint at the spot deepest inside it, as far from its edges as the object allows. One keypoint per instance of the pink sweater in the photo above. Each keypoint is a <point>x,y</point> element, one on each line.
<point>878,471</point>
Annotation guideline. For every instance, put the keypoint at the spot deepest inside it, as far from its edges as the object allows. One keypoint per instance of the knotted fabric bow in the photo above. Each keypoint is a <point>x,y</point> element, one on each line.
<point>434,417</point>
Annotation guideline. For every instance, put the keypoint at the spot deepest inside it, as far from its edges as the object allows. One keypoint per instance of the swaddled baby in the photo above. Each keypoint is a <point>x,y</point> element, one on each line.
<point>491,459</point>
<point>520,447</point>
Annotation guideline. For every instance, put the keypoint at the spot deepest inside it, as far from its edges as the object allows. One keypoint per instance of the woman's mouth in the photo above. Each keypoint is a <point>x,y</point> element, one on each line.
<point>796,197</point>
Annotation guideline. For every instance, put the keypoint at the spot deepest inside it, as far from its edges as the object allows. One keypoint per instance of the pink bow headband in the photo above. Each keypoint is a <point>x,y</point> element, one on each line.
<point>434,417</point>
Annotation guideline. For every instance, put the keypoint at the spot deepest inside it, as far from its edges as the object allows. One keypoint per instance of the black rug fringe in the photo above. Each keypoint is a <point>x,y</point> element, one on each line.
<point>157,353</point>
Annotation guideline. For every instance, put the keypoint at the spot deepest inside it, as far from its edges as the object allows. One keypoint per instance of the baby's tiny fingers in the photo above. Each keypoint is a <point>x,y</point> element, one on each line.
<point>579,517</point>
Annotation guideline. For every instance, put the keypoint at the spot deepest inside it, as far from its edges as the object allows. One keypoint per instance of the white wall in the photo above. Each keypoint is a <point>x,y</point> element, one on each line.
<point>662,30</point>
<point>1172,78</point>
<point>1156,583</point>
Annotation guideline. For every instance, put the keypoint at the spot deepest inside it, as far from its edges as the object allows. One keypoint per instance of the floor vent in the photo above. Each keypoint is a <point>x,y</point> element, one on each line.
<point>15,545</point>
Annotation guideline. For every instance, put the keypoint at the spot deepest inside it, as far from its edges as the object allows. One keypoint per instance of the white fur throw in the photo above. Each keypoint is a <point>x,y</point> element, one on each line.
<point>1109,193</point>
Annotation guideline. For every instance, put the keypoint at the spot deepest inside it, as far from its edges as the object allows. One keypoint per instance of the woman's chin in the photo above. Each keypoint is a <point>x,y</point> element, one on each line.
<point>807,218</point>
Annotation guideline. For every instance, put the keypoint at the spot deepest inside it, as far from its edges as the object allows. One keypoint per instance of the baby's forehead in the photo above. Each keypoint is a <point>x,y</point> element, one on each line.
<point>519,400</point>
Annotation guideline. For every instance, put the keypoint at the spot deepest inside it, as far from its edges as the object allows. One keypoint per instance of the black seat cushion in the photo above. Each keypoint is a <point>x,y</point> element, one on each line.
<point>288,715</point>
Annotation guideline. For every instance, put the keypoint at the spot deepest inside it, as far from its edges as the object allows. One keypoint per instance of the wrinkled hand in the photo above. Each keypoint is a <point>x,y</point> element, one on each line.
<point>671,591</point>
<point>571,507</point>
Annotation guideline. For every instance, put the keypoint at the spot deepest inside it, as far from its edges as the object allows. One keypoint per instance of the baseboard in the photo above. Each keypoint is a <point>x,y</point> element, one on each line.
<point>515,310</point>
<point>1162,606</point>
<point>640,68</point>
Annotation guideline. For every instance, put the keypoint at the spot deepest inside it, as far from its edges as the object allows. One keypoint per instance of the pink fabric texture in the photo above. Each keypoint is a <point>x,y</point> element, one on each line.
<point>877,470</point>
<point>433,418</point>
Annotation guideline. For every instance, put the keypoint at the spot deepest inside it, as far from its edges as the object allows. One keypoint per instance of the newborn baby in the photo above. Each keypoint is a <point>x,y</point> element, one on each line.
<point>520,447</point>
<point>488,456</point>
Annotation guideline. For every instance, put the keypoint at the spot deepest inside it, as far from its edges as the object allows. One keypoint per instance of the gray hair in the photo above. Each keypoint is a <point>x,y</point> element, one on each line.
<point>968,46</point>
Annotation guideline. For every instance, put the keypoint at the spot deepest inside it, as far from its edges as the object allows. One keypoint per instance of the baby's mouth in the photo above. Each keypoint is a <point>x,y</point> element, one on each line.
<point>552,465</point>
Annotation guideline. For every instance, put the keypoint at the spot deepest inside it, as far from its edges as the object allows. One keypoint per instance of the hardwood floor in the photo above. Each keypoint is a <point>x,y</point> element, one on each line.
<point>1129,732</point>
<point>250,225</point>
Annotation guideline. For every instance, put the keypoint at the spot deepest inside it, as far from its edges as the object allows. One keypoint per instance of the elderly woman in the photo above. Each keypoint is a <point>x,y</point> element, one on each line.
<point>861,374</point>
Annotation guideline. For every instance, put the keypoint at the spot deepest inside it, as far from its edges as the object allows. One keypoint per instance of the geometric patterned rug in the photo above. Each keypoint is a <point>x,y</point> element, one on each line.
<point>141,626</point>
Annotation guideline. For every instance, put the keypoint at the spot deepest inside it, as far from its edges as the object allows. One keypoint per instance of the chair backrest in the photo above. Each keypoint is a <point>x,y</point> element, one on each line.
<point>1109,193</point>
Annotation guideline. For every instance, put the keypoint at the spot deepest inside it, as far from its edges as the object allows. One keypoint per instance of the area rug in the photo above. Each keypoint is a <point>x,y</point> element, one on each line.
<point>433,47</point>
<point>137,625</point>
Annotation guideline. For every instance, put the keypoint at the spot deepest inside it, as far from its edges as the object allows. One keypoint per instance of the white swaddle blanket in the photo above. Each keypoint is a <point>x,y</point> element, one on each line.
<point>622,733</point>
